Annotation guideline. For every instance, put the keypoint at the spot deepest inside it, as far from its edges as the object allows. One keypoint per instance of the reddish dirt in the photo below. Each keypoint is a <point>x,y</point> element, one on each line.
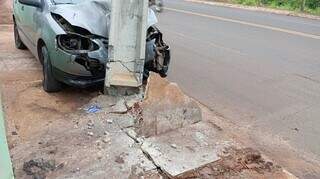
<point>239,162</point>
<point>5,11</point>
<point>28,108</point>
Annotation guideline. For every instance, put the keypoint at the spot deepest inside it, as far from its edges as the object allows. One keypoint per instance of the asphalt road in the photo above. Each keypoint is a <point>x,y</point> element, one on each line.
<point>259,70</point>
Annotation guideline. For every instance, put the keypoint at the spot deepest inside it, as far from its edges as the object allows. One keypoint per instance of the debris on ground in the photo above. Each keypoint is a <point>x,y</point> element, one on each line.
<point>134,99</point>
<point>125,121</point>
<point>93,109</point>
<point>106,138</point>
<point>90,134</point>
<point>38,168</point>
<point>119,159</point>
<point>174,146</point>
<point>120,107</point>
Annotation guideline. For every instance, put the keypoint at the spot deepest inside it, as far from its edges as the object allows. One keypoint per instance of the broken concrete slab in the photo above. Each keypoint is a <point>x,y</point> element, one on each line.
<point>186,149</point>
<point>133,99</point>
<point>165,108</point>
<point>108,152</point>
<point>120,107</point>
<point>125,121</point>
<point>203,151</point>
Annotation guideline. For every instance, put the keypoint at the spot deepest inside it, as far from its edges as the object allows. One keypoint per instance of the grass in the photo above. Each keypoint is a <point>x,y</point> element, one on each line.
<point>284,6</point>
<point>245,2</point>
<point>314,11</point>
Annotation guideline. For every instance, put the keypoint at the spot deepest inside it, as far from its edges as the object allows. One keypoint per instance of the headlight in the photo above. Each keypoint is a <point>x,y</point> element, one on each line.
<point>74,43</point>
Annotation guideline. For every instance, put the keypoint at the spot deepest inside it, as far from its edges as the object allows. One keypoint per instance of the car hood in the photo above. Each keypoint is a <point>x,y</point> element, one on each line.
<point>93,15</point>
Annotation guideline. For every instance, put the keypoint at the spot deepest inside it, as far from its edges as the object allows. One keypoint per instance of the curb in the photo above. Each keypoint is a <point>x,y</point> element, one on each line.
<point>257,9</point>
<point>6,171</point>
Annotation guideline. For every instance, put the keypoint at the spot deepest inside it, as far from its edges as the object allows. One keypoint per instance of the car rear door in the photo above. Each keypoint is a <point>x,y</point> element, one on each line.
<point>27,21</point>
<point>19,16</point>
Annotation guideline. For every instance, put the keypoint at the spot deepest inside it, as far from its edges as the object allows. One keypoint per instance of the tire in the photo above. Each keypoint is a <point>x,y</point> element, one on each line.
<point>50,84</point>
<point>159,6</point>
<point>18,42</point>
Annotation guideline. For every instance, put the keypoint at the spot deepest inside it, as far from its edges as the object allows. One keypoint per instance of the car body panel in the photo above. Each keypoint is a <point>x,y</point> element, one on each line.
<point>91,15</point>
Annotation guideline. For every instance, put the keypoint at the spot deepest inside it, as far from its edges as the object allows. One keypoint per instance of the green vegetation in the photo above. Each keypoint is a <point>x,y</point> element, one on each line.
<point>308,6</point>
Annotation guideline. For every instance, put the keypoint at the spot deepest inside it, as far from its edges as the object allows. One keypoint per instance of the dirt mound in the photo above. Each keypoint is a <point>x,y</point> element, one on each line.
<point>239,162</point>
<point>5,12</point>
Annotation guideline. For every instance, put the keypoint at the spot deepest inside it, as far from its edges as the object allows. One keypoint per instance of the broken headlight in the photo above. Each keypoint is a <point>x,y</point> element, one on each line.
<point>75,43</point>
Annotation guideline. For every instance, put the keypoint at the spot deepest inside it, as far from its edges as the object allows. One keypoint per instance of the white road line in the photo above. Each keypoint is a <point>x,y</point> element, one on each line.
<point>247,23</point>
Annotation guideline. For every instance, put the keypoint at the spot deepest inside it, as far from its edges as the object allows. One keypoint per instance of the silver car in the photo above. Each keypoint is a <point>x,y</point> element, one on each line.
<point>70,38</point>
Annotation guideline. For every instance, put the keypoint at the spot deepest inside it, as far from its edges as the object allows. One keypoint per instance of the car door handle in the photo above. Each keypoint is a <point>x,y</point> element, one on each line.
<point>22,8</point>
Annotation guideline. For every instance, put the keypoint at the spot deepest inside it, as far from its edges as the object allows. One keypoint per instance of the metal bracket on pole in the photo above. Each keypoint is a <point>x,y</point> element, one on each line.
<point>127,42</point>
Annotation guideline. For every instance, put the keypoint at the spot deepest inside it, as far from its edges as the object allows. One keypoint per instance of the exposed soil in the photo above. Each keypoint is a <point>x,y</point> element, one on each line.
<point>27,107</point>
<point>5,12</point>
<point>236,162</point>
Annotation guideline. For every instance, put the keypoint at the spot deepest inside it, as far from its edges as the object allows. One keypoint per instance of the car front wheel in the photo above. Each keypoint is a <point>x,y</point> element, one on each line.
<point>50,84</point>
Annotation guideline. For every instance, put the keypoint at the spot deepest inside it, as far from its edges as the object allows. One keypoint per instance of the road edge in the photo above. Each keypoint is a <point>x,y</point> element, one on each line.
<point>257,9</point>
<point>6,171</point>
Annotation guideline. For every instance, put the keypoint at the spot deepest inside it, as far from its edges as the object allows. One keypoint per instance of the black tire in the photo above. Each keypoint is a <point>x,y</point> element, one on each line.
<point>50,84</point>
<point>19,44</point>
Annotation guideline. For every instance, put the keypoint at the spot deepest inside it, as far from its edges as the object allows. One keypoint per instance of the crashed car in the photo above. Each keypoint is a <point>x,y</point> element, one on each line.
<point>70,39</point>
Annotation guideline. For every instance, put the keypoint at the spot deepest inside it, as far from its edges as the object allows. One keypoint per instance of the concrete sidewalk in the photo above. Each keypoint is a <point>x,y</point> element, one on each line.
<point>106,143</point>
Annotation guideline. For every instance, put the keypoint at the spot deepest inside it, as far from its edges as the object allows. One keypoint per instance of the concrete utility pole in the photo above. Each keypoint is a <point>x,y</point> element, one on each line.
<point>127,41</point>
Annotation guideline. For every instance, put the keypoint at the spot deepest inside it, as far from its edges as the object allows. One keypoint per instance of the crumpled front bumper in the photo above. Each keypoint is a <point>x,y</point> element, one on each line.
<point>80,57</point>
<point>76,80</point>
<point>88,69</point>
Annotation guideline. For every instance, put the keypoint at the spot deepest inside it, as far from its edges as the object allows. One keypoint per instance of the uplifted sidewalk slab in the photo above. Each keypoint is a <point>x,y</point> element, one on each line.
<point>186,149</point>
<point>165,108</point>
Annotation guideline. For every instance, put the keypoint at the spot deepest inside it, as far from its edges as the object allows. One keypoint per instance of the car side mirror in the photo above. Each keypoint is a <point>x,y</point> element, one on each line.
<point>34,3</point>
